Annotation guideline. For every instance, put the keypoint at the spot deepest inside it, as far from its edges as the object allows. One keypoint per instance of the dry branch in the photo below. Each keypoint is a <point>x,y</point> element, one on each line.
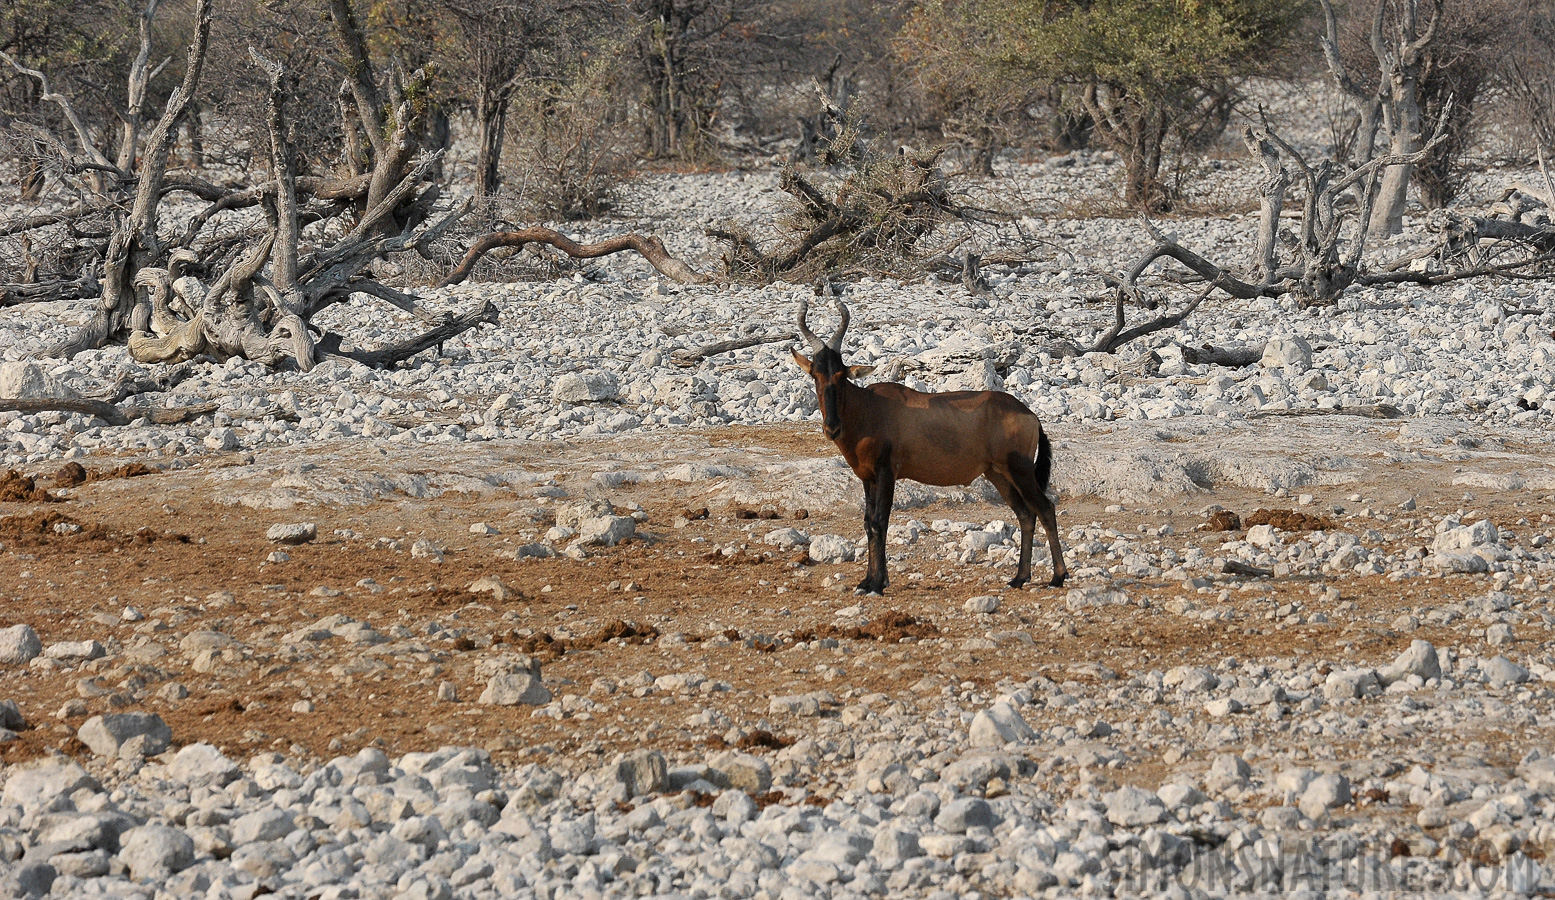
<point>1379,411</point>
<point>117,416</point>
<point>692,357</point>
<point>390,354</point>
<point>650,248</point>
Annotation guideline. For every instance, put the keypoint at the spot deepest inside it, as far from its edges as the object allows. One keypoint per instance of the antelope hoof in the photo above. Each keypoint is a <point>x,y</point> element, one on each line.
<point>870,586</point>
<point>1019,581</point>
<point>1058,580</point>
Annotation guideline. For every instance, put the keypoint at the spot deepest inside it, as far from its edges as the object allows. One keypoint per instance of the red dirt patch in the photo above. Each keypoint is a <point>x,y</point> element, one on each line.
<point>33,524</point>
<point>888,627</point>
<point>1224,520</point>
<point>18,488</point>
<point>544,644</point>
<point>73,473</point>
<point>1289,520</point>
<point>762,739</point>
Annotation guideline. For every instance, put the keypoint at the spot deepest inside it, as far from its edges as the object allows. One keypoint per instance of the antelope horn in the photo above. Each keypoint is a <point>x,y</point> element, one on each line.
<point>842,327</point>
<point>816,345</point>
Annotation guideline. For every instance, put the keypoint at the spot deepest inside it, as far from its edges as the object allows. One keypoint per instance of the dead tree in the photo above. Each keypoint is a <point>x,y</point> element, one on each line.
<point>1517,240</point>
<point>1401,61</point>
<point>267,284</point>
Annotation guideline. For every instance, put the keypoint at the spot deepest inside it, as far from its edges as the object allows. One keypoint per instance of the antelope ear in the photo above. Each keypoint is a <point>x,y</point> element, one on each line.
<point>859,371</point>
<point>801,361</point>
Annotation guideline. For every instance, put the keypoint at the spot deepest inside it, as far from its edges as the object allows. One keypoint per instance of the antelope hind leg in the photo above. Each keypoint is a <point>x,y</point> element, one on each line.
<point>1028,523</point>
<point>1023,472</point>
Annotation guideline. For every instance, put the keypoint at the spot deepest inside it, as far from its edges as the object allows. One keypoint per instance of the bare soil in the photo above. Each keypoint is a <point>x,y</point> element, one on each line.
<point>167,545</point>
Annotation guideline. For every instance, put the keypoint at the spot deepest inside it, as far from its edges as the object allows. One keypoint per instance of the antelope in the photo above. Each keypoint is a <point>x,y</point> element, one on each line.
<point>890,431</point>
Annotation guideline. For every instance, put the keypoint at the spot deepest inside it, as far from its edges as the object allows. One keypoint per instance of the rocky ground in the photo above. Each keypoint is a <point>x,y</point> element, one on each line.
<point>562,613</point>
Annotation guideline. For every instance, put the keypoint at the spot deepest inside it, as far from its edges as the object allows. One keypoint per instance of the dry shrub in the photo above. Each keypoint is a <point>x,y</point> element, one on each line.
<point>870,213</point>
<point>569,147</point>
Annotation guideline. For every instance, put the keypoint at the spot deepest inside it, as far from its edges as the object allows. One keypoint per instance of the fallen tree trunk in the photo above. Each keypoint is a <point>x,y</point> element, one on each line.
<point>389,354</point>
<point>650,248</point>
<point>1379,411</point>
<point>1230,357</point>
<point>117,416</point>
<point>692,357</point>
<point>48,291</point>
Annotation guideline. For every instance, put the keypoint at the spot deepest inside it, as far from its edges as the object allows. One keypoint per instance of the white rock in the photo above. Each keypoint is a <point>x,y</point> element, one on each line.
<point>202,765</point>
<point>1290,355</point>
<point>1262,536</point>
<point>795,705</point>
<point>424,548</point>
<point>831,548</point>
<point>74,650</point>
<point>222,439</point>
<point>585,387</point>
<point>1096,595</point>
<point>998,725</point>
<point>1539,775</point>
<point>1419,660</point>
<point>1324,793</point>
<point>262,825</point>
<point>986,603</point>
<point>1348,684</point>
<point>1460,563</point>
<point>1180,796</point>
<point>19,644</point>
<point>640,772</point>
<point>1129,806</point>
<point>1223,706</point>
<point>1228,770</point>
<point>154,852</point>
<point>967,812</point>
<point>1500,672</point>
<point>523,688</point>
<point>786,539</point>
<point>27,381</point>
<point>893,845</point>
<point>107,734</point>
<point>36,785</point>
<point>606,531</point>
<point>294,533</point>
<point>1191,679</point>
<point>744,771</point>
<point>491,584</point>
<point>735,807</point>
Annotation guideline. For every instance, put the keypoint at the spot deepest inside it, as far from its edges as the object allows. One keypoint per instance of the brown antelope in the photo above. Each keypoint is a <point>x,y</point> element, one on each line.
<point>890,431</point>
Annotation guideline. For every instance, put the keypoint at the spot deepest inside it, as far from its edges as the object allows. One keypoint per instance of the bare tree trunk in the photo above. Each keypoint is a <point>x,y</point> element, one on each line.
<point>1400,61</point>
<point>1142,174</point>
<point>1387,217</point>
<point>491,128</point>
<point>283,165</point>
<point>351,127</point>
<point>1271,200</point>
<point>140,76</point>
<point>194,128</point>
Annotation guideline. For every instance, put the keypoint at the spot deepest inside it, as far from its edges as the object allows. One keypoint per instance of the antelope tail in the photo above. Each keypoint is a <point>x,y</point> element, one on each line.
<point>1044,461</point>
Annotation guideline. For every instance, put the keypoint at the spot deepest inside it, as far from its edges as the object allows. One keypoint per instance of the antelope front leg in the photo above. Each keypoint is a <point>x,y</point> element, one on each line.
<point>878,499</point>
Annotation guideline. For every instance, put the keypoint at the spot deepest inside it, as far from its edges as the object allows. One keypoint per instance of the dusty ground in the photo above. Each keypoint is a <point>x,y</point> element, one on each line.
<point>166,544</point>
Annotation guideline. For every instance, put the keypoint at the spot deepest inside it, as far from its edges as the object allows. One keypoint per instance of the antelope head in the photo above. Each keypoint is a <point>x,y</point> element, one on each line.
<point>825,365</point>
